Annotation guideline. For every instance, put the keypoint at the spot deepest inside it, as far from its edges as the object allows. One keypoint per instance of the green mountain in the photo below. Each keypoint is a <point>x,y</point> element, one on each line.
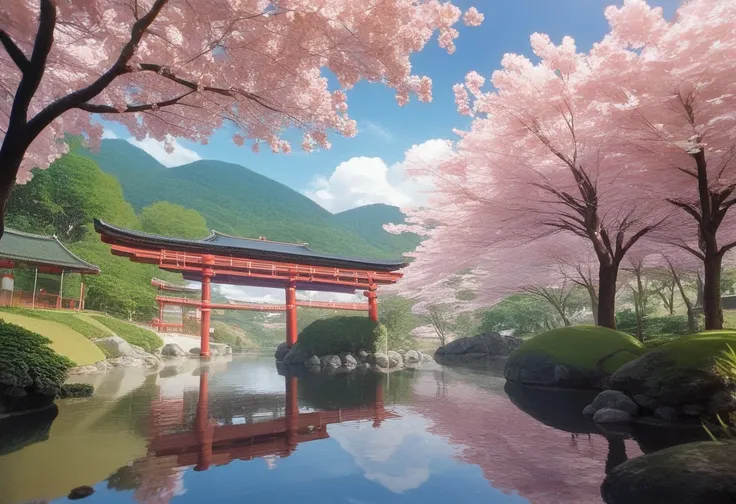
<point>367,221</point>
<point>238,201</point>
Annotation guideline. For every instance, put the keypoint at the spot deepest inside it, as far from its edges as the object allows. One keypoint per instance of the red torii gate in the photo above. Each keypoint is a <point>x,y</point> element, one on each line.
<point>235,260</point>
<point>208,443</point>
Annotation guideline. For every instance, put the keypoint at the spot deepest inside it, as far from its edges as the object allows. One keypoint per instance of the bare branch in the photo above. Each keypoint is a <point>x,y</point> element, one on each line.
<point>15,53</point>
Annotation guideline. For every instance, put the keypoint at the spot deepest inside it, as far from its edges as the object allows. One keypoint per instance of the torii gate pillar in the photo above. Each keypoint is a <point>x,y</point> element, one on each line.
<point>372,302</point>
<point>207,274</point>
<point>291,324</point>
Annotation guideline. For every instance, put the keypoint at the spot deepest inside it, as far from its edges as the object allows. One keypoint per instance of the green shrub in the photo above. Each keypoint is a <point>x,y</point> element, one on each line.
<point>585,347</point>
<point>233,336</point>
<point>667,326</point>
<point>75,390</point>
<point>27,361</point>
<point>148,340</point>
<point>342,334</point>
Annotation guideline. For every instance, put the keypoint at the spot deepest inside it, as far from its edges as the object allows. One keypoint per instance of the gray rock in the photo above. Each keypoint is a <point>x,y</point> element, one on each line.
<point>363,356</point>
<point>296,355</point>
<point>313,361</point>
<point>670,385</point>
<point>395,359</point>
<point>667,414</point>
<point>484,344</point>
<point>330,362</point>
<point>116,346</point>
<point>722,403</point>
<point>195,350</point>
<point>380,360</point>
<point>589,410</point>
<point>646,402</point>
<point>539,369</point>
<point>363,367</point>
<point>695,410</point>
<point>349,361</point>
<point>220,349</point>
<point>609,415</point>
<point>281,351</point>
<point>412,357</point>
<point>173,350</point>
<point>426,357</point>
<point>615,400</point>
<point>703,472</point>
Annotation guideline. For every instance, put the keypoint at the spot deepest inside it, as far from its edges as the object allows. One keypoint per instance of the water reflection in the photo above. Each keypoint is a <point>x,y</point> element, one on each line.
<point>239,429</point>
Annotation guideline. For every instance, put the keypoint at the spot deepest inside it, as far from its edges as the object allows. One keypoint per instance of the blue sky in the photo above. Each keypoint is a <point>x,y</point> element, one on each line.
<point>371,163</point>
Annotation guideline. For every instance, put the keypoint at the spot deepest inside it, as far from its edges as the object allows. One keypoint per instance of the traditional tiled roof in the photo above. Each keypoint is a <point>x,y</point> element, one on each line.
<point>236,246</point>
<point>37,250</point>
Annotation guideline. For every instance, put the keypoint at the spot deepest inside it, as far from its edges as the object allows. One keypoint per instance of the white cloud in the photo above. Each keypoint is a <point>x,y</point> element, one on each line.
<point>376,130</point>
<point>365,180</point>
<point>106,133</point>
<point>398,456</point>
<point>178,156</point>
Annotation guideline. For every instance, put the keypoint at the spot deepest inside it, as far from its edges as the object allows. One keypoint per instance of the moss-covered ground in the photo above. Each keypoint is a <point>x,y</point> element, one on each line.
<point>133,334</point>
<point>585,347</point>
<point>699,351</point>
<point>64,339</point>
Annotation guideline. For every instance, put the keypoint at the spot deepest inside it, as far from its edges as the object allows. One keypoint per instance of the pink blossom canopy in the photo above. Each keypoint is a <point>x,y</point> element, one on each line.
<point>258,65</point>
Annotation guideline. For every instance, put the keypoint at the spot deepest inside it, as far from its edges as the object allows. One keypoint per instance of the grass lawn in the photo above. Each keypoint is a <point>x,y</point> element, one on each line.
<point>148,340</point>
<point>584,346</point>
<point>86,317</point>
<point>64,340</point>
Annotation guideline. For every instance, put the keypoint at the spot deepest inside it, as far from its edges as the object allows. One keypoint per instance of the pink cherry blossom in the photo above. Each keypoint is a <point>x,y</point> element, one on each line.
<point>183,68</point>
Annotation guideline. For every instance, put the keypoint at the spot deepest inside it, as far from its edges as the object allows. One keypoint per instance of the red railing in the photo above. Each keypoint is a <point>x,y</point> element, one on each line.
<point>25,299</point>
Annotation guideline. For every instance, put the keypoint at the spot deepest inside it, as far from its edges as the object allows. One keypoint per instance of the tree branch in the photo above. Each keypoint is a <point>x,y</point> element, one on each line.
<point>109,109</point>
<point>37,64</point>
<point>14,52</point>
<point>687,207</point>
<point>231,93</point>
<point>120,67</point>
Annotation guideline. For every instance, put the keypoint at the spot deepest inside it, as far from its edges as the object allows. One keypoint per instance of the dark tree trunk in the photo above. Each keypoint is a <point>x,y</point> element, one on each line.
<point>593,302</point>
<point>10,159</point>
<point>712,292</point>
<point>639,317</point>
<point>699,285</point>
<point>607,276</point>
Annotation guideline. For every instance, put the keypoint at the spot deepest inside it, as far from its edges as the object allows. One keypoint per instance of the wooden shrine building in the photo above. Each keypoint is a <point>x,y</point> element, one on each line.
<point>44,254</point>
<point>234,260</point>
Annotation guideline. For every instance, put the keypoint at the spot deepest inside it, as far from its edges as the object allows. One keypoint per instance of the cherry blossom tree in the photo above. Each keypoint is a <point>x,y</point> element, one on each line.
<point>675,95</point>
<point>184,68</point>
<point>540,159</point>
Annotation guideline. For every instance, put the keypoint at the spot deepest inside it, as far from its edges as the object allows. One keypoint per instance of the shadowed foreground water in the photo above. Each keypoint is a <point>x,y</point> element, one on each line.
<point>238,431</point>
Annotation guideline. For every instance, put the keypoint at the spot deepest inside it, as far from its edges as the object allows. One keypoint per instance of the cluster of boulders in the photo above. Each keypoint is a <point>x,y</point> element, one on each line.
<point>127,356</point>
<point>347,362</point>
<point>655,386</point>
<point>132,356</point>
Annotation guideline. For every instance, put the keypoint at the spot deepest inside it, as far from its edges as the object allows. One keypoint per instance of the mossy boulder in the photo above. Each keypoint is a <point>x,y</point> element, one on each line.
<point>682,375</point>
<point>579,357</point>
<point>695,472</point>
<point>334,335</point>
<point>31,373</point>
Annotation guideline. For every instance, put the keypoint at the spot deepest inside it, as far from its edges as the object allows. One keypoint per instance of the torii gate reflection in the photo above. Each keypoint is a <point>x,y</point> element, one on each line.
<point>209,443</point>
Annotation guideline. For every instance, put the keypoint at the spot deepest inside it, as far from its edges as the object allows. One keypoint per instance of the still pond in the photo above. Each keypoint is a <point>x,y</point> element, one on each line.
<point>239,430</point>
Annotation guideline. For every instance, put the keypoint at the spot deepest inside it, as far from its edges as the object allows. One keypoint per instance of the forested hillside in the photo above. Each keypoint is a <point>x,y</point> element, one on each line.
<point>235,200</point>
<point>133,190</point>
